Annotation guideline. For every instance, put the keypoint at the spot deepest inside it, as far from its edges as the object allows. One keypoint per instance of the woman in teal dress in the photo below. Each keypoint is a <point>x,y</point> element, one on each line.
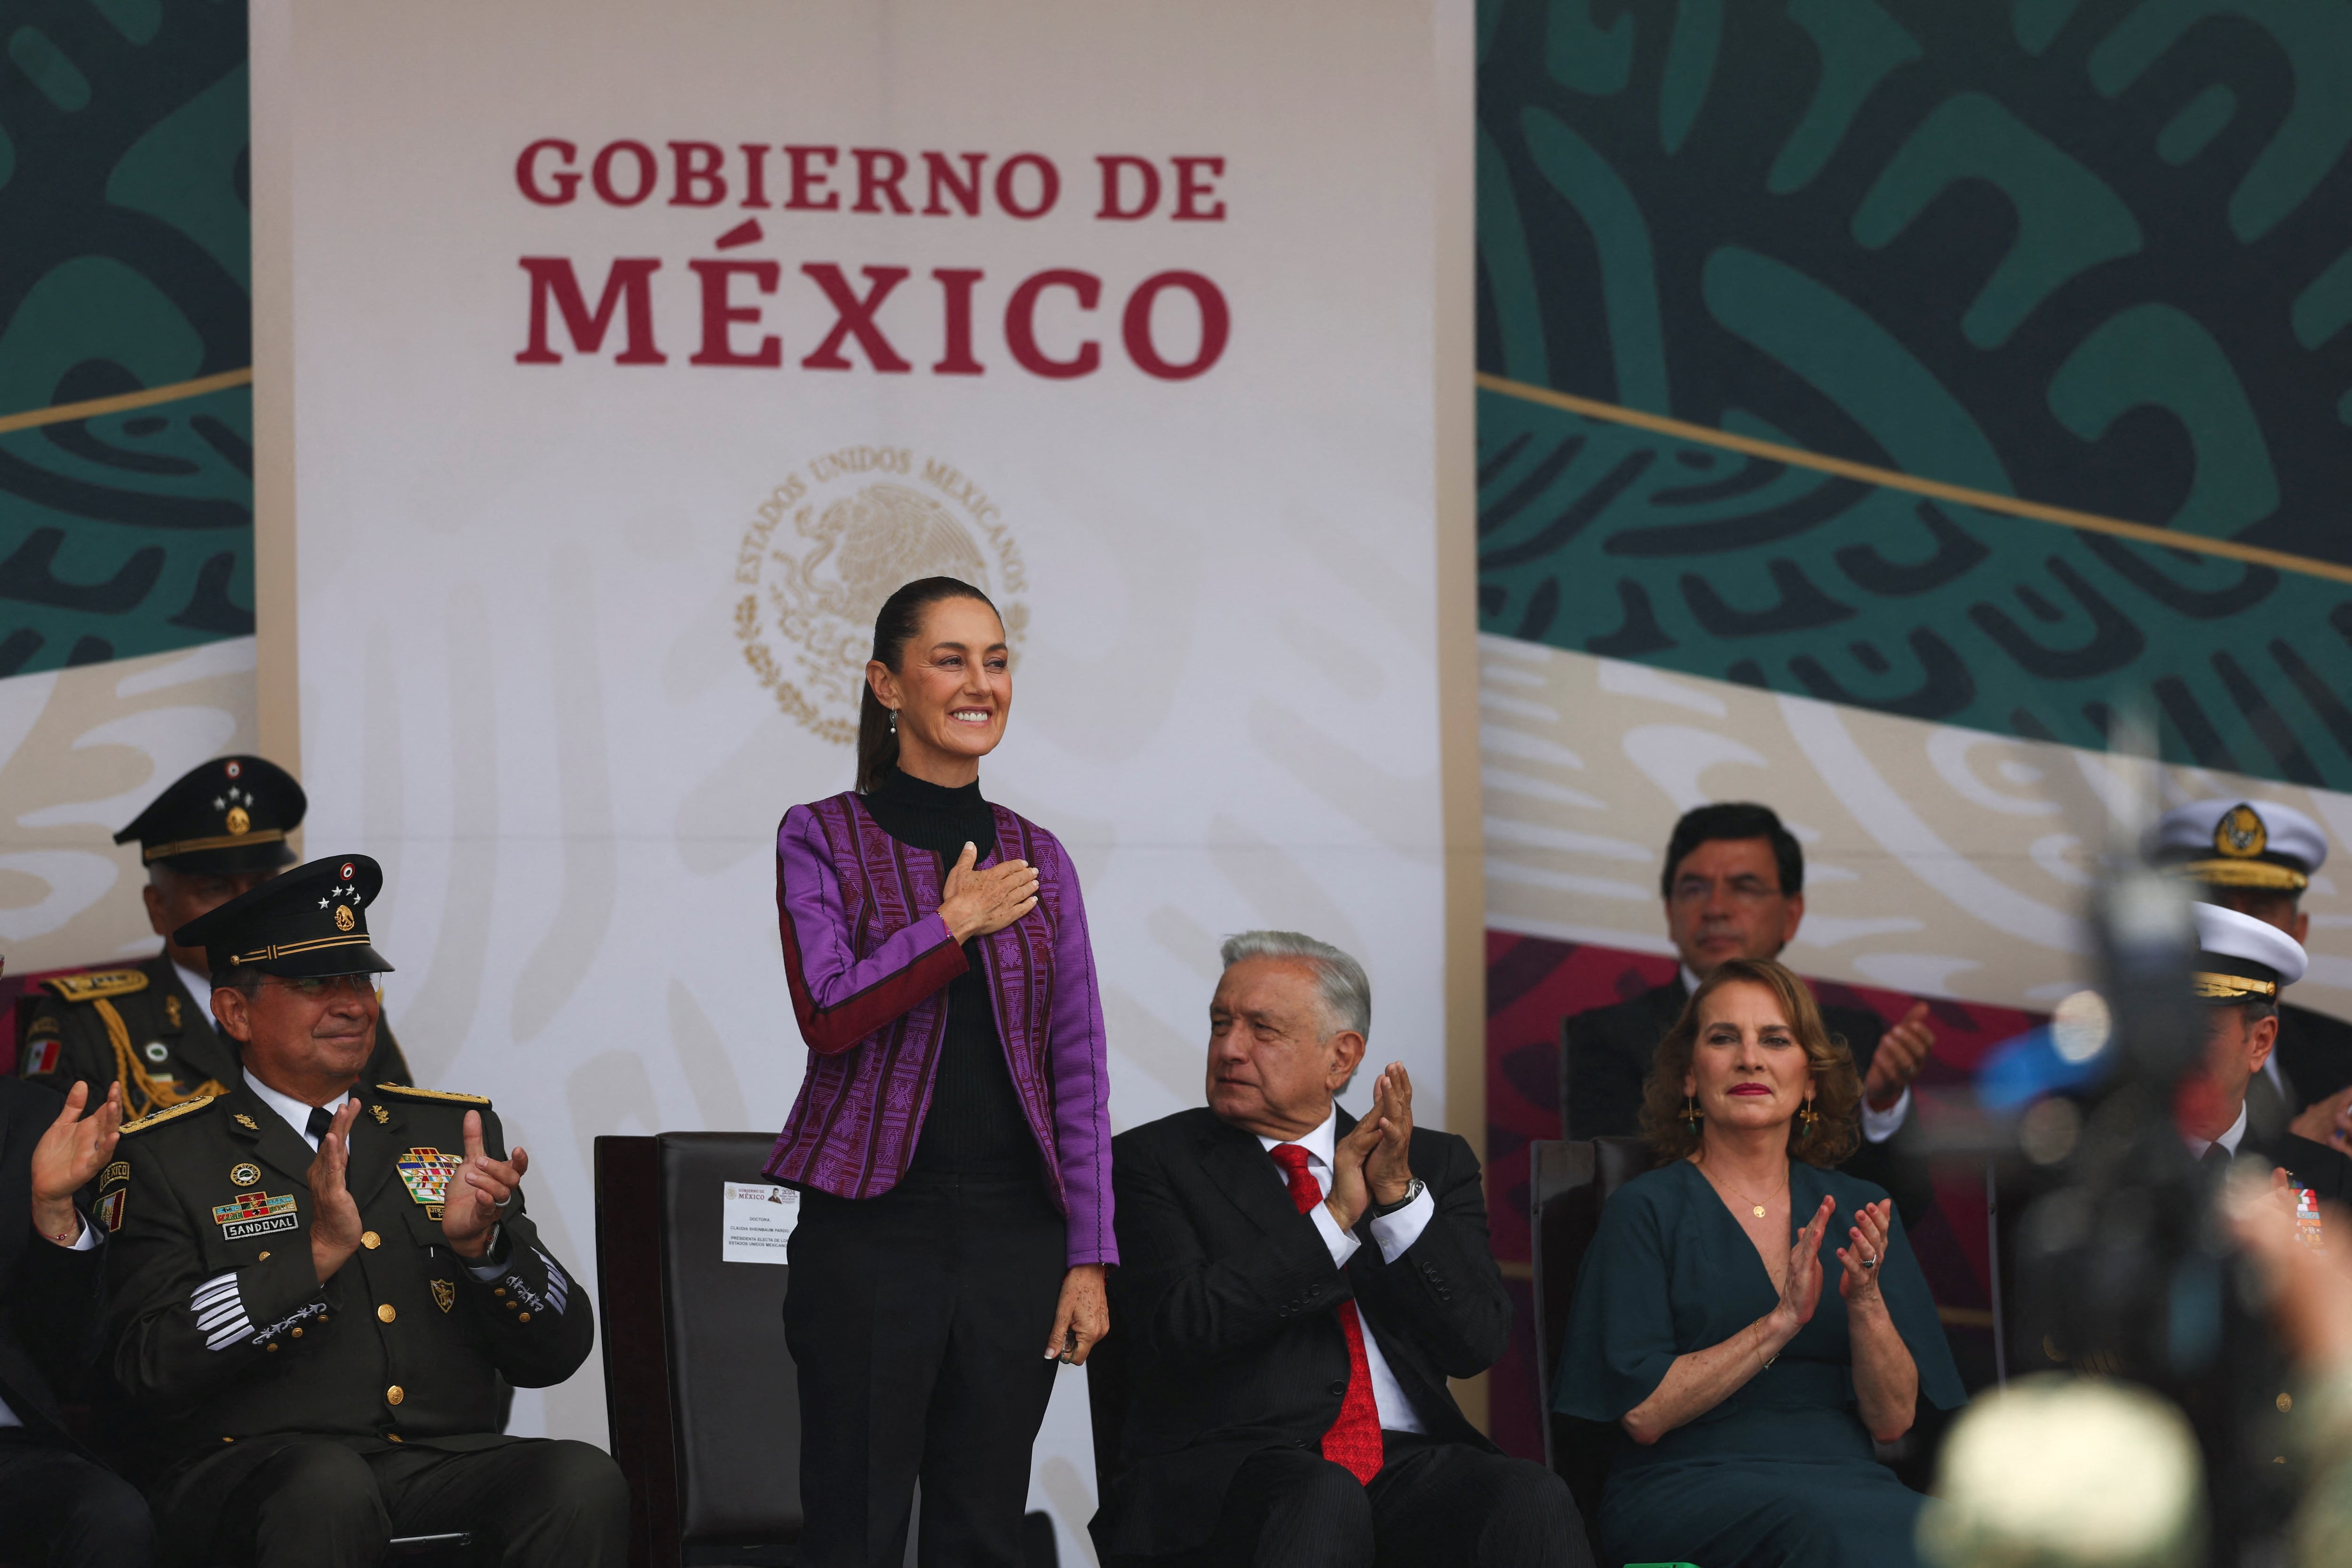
<point>1747,1395</point>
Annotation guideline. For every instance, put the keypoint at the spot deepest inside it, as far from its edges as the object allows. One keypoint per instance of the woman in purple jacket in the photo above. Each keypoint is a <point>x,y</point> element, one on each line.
<point>952,1142</point>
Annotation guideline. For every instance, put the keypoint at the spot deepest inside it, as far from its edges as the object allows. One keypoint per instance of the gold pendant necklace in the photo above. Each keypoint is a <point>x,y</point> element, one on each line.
<point>1753,1206</point>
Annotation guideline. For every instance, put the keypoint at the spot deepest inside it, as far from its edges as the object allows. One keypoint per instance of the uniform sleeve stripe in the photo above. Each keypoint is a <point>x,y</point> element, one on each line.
<point>219,1307</point>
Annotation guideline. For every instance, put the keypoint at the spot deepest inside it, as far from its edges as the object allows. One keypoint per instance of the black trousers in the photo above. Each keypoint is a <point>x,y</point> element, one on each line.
<point>77,1512</point>
<point>1433,1505</point>
<point>320,1502</point>
<point>919,1322</point>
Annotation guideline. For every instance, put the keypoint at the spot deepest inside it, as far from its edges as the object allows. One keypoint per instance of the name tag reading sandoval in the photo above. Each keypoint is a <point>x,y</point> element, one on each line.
<point>255,1213</point>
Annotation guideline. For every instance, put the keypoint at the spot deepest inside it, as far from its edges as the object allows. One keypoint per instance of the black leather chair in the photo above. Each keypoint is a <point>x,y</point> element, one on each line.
<point>1567,1185</point>
<point>702,1396</point>
<point>699,1389</point>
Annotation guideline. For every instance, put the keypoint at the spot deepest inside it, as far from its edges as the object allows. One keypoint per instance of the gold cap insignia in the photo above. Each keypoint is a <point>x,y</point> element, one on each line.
<point>2211,987</point>
<point>244,1172</point>
<point>238,822</point>
<point>2240,834</point>
<point>344,918</point>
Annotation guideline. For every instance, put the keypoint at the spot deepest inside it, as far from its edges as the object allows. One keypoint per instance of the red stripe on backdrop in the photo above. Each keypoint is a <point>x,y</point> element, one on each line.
<point>1533,984</point>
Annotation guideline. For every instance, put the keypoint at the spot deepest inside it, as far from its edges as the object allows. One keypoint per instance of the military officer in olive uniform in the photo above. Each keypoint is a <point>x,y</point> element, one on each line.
<point>2257,857</point>
<point>319,1281</point>
<point>217,832</point>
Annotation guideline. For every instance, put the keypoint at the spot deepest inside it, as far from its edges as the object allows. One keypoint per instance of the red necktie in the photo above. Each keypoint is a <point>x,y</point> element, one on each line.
<point>1354,1439</point>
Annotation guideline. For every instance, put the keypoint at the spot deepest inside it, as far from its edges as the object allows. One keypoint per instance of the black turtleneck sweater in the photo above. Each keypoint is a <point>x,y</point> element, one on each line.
<point>974,1126</point>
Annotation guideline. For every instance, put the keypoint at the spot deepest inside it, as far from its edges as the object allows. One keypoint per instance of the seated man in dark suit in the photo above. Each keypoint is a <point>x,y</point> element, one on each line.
<point>1734,886</point>
<point>53,1496</point>
<point>1296,1286</point>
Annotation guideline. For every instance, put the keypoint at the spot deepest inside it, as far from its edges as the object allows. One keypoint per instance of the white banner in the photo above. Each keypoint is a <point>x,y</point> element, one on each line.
<point>640,350</point>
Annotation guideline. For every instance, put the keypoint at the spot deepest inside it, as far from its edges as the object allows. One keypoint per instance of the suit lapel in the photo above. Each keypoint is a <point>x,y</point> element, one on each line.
<point>275,1145</point>
<point>377,1143</point>
<point>1247,1175</point>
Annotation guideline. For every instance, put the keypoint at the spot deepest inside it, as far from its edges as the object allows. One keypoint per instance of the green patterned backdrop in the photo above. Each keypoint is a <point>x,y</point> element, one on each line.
<point>126,265</point>
<point>2097,254</point>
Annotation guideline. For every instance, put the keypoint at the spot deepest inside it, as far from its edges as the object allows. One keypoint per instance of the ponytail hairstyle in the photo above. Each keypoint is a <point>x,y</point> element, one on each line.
<point>901,619</point>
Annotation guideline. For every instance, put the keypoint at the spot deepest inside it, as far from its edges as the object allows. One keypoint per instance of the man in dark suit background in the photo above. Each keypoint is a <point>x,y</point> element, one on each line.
<point>52,1323</point>
<point>1734,887</point>
<point>1296,1288</point>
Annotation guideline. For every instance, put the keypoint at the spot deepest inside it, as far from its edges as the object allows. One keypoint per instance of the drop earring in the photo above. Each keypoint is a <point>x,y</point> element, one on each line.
<point>1809,1115</point>
<point>894,720</point>
<point>1690,1112</point>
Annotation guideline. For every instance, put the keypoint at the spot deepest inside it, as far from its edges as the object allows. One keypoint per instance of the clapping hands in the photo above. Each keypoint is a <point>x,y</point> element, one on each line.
<point>1373,1164</point>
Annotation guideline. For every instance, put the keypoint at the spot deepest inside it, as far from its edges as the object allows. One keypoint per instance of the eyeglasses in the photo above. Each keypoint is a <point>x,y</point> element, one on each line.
<point>312,987</point>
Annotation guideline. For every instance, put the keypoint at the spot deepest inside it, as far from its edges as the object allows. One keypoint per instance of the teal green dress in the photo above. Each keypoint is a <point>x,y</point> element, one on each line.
<point>1781,1472</point>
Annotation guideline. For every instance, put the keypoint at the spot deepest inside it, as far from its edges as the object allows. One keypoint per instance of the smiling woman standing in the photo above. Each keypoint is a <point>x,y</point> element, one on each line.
<point>1745,1396</point>
<point>952,1142</point>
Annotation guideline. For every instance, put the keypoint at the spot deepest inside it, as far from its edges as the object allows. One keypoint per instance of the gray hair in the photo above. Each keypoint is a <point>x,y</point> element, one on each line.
<point>1347,993</point>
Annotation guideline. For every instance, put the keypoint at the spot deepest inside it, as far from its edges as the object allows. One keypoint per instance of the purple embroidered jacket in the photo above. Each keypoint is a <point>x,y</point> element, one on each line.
<point>868,960</point>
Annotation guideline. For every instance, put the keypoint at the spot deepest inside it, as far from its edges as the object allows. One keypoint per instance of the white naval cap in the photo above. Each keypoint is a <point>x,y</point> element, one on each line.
<point>2234,843</point>
<point>2240,958</point>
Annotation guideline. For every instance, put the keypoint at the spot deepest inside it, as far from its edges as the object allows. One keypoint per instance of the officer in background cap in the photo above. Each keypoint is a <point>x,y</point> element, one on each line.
<point>317,1282</point>
<point>2257,857</point>
<point>219,831</point>
<point>2241,1412</point>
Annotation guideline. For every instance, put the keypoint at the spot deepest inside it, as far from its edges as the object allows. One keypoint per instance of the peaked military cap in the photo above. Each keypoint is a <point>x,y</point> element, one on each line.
<point>2228,843</point>
<point>2242,959</point>
<point>312,920</point>
<point>221,818</point>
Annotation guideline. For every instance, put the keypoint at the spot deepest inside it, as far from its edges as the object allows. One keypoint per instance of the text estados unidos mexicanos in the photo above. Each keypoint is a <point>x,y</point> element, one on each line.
<point>1046,316</point>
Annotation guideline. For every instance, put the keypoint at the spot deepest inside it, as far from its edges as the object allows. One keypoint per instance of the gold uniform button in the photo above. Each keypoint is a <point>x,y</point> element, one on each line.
<point>524,1319</point>
<point>499,1292</point>
<point>2285,1403</point>
<point>298,1334</point>
<point>273,1344</point>
<point>263,1259</point>
<point>393,1395</point>
<point>368,1239</point>
<point>384,1313</point>
<point>392,1436</point>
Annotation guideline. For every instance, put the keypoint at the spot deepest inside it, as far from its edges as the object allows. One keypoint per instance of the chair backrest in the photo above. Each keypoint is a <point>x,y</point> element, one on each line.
<point>1567,1185</point>
<point>701,1391</point>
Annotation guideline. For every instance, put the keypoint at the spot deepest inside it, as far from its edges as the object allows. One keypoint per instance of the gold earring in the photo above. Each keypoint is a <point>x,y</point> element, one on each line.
<point>1690,1112</point>
<point>1809,1115</point>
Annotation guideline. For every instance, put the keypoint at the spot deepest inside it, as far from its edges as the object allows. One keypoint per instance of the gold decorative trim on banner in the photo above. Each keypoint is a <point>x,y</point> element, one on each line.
<point>1983,501</point>
<point>65,412</point>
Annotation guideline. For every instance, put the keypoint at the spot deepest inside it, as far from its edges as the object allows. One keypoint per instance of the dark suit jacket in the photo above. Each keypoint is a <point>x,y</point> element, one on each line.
<point>52,1302</point>
<point>2315,1052</point>
<point>1605,1058</point>
<point>1224,1296</point>
<point>2309,1164</point>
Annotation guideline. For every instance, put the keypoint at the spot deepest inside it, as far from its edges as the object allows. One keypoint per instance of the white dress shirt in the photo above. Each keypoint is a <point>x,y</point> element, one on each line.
<point>2229,1141</point>
<point>296,1114</point>
<point>1878,1126</point>
<point>1392,1233</point>
<point>91,1237</point>
<point>200,987</point>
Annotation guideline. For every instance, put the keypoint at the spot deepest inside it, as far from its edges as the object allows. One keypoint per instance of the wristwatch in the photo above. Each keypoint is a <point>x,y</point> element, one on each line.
<point>1382,1211</point>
